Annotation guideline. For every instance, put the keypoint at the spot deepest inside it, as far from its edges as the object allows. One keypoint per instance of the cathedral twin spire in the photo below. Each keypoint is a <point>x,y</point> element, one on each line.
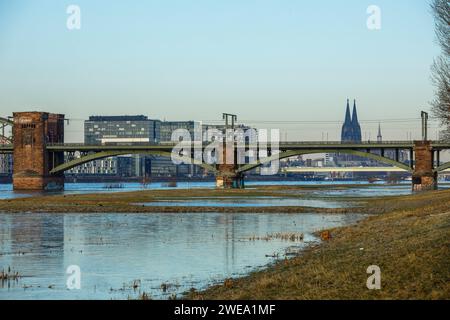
<point>351,130</point>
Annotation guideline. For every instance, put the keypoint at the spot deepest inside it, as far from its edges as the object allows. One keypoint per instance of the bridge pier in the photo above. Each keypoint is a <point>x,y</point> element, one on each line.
<point>424,177</point>
<point>227,176</point>
<point>233,181</point>
<point>32,161</point>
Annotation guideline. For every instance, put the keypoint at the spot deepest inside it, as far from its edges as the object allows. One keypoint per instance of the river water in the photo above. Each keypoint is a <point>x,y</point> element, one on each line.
<point>121,256</point>
<point>115,251</point>
<point>6,190</point>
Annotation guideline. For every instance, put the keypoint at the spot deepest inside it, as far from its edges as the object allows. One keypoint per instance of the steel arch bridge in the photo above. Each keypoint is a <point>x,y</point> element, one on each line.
<point>166,152</point>
<point>4,125</point>
<point>293,153</point>
<point>113,153</point>
<point>46,157</point>
<point>287,149</point>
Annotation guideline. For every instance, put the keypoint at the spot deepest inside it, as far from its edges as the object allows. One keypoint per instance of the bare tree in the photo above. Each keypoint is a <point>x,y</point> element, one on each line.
<point>441,11</point>
<point>441,66</point>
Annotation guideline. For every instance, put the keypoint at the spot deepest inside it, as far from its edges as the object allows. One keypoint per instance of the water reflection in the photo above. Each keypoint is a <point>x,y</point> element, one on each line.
<point>247,202</point>
<point>113,250</point>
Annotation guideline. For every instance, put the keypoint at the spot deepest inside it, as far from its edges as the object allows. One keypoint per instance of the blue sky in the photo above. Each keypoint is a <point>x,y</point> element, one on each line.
<point>264,60</point>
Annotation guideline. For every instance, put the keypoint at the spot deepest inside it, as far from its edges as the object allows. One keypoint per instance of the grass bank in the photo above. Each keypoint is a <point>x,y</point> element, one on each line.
<point>410,242</point>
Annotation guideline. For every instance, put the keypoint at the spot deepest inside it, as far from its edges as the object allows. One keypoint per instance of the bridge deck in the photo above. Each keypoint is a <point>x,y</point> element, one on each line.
<point>292,145</point>
<point>282,146</point>
<point>341,169</point>
<point>6,148</point>
<point>345,169</point>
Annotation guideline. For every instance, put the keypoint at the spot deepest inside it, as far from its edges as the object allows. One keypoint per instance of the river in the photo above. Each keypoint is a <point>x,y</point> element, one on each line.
<point>377,189</point>
<point>120,256</point>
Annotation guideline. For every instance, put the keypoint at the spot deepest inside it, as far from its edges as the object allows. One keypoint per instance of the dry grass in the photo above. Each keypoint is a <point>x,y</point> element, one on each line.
<point>285,236</point>
<point>8,274</point>
<point>410,243</point>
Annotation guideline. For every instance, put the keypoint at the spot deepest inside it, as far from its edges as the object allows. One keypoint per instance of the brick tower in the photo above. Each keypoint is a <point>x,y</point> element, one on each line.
<point>424,177</point>
<point>32,162</point>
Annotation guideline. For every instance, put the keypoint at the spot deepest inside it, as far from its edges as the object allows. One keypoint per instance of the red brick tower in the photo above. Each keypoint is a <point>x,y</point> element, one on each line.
<point>32,162</point>
<point>424,177</point>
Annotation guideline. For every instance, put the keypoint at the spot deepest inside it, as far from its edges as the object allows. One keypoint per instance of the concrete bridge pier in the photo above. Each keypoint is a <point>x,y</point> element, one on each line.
<point>32,160</point>
<point>424,177</point>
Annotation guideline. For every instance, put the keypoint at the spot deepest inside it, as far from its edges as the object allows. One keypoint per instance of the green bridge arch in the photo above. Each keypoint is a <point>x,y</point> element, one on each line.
<point>292,153</point>
<point>247,167</point>
<point>106,154</point>
<point>443,167</point>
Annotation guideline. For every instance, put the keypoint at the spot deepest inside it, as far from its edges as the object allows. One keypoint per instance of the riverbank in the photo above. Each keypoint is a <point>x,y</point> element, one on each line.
<point>410,243</point>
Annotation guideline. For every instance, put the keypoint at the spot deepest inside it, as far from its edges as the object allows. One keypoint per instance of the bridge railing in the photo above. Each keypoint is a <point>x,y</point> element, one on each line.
<point>113,144</point>
<point>349,143</point>
<point>363,143</point>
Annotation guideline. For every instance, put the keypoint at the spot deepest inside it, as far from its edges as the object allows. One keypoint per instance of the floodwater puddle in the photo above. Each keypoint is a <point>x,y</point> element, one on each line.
<point>158,256</point>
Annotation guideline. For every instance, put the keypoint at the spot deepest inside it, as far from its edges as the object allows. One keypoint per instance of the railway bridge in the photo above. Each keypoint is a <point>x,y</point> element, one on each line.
<point>41,157</point>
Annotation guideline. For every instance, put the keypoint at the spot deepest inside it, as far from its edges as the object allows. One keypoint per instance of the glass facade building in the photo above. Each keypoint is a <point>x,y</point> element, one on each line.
<point>6,164</point>
<point>118,130</point>
<point>167,127</point>
<point>121,129</point>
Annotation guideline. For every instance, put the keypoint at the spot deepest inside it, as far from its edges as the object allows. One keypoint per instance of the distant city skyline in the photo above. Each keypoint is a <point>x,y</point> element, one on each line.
<point>273,63</point>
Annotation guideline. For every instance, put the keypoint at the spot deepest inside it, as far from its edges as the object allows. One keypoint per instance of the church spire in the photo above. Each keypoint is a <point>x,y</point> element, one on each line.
<point>355,113</point>
<point>356,128</point>
<point>379,136</point>
<point>348,120</point>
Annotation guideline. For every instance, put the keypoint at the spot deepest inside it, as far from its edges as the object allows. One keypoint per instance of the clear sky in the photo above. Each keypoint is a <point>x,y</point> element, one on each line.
<point>265,60</point>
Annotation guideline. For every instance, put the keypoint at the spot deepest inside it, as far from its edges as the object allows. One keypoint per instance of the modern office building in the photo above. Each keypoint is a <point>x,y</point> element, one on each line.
<point>139,129</point>
<point>118,130</point>
<point>6,160</point>
<point>161,166</point>
<point>121,129</point>
<point>6,164</point>
<point>106,166</point>
<point>168,127</point>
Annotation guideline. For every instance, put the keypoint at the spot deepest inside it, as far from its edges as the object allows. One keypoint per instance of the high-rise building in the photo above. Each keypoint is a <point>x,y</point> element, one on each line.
<point>121,129</point>
<point>329,159</point>
<point>168,127</point>
<point>161,166</point>
<point>6,164</point>
<point>118,130</point>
